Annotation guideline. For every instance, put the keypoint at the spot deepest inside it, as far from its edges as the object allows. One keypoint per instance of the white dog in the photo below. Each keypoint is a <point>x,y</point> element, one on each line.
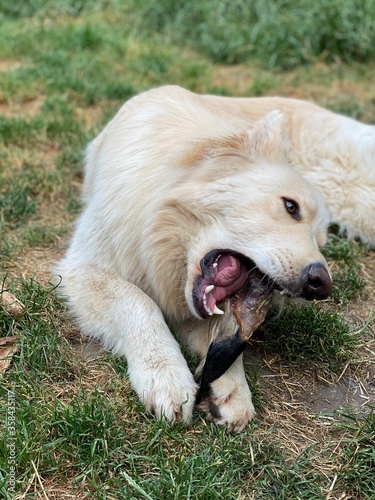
<point>184,196</point>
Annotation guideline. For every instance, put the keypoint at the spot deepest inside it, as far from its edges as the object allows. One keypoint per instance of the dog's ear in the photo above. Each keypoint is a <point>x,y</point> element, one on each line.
<point>268,136</point>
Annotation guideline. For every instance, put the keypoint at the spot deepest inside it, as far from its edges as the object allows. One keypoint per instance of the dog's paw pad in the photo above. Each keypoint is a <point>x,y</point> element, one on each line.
<point>232,411</point>
<point>236,423</point>
<point>173,413</point>
<point>170,401</point>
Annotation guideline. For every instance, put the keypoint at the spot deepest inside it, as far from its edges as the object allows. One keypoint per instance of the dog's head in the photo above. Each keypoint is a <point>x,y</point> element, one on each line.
<point>254,212</point>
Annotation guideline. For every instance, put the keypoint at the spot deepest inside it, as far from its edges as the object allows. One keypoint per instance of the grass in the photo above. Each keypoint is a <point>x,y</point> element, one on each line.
<point>18,201</point>
<point>317,337</point>
<point>271,32</point>
<point>66,67</point>
<point>345,258</point>
<point>91,432</point>
<point>358,453</point>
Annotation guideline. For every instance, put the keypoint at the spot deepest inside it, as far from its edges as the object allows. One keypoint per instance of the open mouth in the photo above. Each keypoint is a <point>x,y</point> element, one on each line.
<point>224,273</point>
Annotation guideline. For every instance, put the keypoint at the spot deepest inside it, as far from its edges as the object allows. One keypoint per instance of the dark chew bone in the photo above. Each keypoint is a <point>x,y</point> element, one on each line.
<point>249,306</point>
<point>220,357</point>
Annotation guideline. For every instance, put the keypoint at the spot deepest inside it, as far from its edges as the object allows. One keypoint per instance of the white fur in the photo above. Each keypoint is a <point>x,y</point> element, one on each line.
<point>334,152</point>
<point>168,180</point>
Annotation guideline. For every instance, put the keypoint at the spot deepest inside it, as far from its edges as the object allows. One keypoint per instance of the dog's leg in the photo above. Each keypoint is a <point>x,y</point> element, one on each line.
<point>130,323</point>
<point>229,401</point>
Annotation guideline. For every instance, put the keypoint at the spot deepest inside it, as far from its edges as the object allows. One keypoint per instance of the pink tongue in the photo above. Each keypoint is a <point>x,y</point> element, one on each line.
<point>230,277</point>
<point>228,269</point>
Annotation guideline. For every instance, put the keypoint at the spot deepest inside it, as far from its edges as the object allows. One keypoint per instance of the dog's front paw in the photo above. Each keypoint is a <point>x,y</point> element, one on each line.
<point>167,395</point>
<point>229,406</point>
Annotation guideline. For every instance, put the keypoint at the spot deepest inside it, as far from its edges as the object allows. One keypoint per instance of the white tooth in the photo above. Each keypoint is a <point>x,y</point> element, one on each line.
<point>217,311</point>
<point>214,265</point>
<point>208,289</point>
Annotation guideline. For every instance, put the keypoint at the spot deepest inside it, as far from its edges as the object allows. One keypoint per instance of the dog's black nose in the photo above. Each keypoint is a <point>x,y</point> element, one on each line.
<point>316,282</point>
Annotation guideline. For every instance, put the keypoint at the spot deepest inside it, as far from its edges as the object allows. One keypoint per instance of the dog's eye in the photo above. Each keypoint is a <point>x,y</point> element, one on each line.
<point>292,208</point>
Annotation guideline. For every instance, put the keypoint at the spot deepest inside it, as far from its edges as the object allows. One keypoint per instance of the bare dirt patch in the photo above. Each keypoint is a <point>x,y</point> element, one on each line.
<point>89,116</point>
<point>42,156</point>
<point>26,108</point>
<point>312,394</point>
<point>35,262</point>
<point>239,77</point>
<point>9,65</point>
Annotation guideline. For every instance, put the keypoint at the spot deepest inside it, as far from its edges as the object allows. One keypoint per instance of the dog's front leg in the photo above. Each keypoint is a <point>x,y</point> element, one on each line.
<point>229,400</point>
<point>130,323</point>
